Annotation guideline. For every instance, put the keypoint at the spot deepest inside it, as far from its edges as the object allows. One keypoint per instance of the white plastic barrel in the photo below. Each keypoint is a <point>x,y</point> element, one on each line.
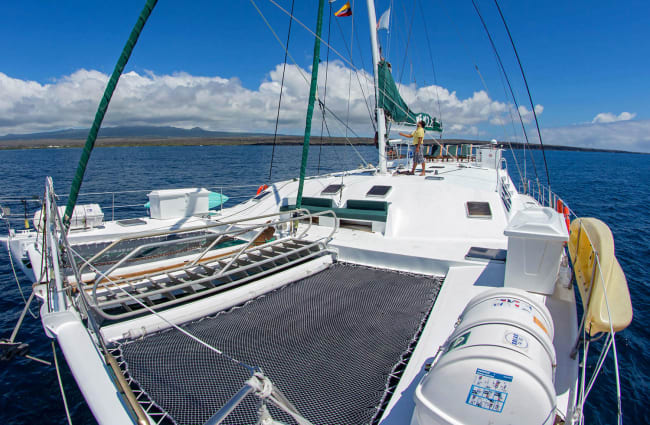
<point>497,366</point>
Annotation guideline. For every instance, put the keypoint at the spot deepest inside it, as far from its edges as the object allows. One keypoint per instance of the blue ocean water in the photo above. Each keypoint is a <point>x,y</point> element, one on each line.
<point>611,187</point>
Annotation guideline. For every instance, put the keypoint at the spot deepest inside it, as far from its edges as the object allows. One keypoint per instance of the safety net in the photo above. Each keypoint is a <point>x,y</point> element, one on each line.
<point>335,343</point>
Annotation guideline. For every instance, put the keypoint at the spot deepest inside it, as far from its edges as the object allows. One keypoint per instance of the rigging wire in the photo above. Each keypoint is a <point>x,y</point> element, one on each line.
<point>408,39</point>
<point>347,116</point>
<point>354,68</point>
<point>343,58</point>
<point>284,67</point>
<point>532,105</point>
<point>523,127</point>
<point>433,68</point>
<point>270,27</point>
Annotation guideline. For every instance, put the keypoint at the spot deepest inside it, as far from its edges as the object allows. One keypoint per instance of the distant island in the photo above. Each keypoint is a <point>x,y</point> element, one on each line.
<point>173,136</point>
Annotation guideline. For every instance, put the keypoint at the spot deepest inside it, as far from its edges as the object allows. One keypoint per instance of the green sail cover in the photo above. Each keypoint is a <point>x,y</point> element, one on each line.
<point>395,107</point>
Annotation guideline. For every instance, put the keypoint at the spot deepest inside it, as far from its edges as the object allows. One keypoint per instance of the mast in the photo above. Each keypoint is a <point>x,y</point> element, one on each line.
<point>310,105</point>
<point>379,112</point>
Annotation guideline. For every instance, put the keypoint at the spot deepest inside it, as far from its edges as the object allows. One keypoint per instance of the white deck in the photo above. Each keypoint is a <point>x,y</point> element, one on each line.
<point>427,231</point>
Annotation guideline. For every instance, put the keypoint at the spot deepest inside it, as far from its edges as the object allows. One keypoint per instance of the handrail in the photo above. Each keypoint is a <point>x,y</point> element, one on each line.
<point>611,343</point>
<point>173,232</point>
<point>57,299</point>
<point>99,306</point>
<point>227,232</point>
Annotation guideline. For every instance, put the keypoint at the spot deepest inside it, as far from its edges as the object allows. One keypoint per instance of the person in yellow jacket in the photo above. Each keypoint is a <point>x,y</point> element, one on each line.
<point>418,141</point>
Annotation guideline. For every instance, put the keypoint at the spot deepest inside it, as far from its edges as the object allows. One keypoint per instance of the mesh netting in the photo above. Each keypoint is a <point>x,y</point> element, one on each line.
<point>332,343</point>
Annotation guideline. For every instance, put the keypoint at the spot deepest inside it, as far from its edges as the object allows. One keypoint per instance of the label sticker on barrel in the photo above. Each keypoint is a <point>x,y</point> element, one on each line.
<point>514,303</point>
<point>516,339</point>
<point>489,390</point>
<point>460,341</point>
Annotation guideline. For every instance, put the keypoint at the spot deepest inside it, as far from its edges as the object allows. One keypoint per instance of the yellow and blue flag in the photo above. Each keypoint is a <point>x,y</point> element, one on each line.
<point>346,10</point>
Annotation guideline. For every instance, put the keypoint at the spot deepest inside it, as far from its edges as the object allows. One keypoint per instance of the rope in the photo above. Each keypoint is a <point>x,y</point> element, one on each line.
<point>58,375</point>
<point>265,390</point>
<point>284,67</point>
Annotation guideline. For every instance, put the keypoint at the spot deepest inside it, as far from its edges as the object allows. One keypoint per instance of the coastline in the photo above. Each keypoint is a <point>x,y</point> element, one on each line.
<point>108,142</point>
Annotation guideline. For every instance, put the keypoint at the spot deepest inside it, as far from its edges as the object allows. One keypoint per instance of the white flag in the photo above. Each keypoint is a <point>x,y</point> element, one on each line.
<point>384,21</point>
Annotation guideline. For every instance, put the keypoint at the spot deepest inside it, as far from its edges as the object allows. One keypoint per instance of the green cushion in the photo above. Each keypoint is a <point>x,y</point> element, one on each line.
<point>357,209</point>
<point>310,208</point>
<point>317,202</point>
<point>364,204</point>
<point>354,214</point>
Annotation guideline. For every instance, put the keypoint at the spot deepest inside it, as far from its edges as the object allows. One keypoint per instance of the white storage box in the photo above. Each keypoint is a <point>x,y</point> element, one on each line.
<point>178,203</point>
<point>535,242</point>
<point>85,216</point>
<point>489,157</point>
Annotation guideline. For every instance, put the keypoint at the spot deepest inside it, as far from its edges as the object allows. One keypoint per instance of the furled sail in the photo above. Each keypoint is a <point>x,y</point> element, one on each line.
<point>395,107</point>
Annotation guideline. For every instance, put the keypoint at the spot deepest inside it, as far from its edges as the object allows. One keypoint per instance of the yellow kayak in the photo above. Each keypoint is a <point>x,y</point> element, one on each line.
<point>599,285</point>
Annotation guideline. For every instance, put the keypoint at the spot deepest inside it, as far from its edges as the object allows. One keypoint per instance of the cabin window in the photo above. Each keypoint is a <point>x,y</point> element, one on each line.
<point>332,189</point>
<point>478,210</point>
<point>379,191</point>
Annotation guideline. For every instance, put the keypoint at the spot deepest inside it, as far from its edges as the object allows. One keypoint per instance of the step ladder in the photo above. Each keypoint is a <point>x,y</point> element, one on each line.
<point>121,297</point>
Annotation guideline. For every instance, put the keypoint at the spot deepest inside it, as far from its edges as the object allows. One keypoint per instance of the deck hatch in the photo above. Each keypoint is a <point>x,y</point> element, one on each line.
<point>379,191</point>
<point>131,222</point>
<point>332,189</point>
<point>489,254</point>
<point>478,210</point>
<point>262,195</point>
<point>332,342</point>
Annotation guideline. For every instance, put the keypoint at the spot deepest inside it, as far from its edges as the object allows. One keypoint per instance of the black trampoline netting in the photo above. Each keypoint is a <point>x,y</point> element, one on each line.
<point>334,343</point>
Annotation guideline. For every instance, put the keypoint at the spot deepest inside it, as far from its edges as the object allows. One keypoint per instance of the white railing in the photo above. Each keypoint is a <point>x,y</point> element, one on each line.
<point>609,344</point>
<point>546,197</point>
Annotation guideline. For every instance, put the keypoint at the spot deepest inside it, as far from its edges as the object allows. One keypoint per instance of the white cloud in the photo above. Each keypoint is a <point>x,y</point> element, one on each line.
<point>629,135</point>
<point>527,114</point>
<point>607,117</point>
<point>216,103</point>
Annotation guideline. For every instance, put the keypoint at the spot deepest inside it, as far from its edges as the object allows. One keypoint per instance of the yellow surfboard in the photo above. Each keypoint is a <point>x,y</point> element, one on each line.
<point>603,283</point>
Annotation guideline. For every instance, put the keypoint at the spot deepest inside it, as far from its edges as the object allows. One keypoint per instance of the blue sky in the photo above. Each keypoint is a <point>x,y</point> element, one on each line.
<point>215,65</point>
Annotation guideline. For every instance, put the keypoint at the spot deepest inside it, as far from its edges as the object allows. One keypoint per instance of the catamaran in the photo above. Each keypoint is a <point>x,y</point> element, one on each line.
<point>323,299</point>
